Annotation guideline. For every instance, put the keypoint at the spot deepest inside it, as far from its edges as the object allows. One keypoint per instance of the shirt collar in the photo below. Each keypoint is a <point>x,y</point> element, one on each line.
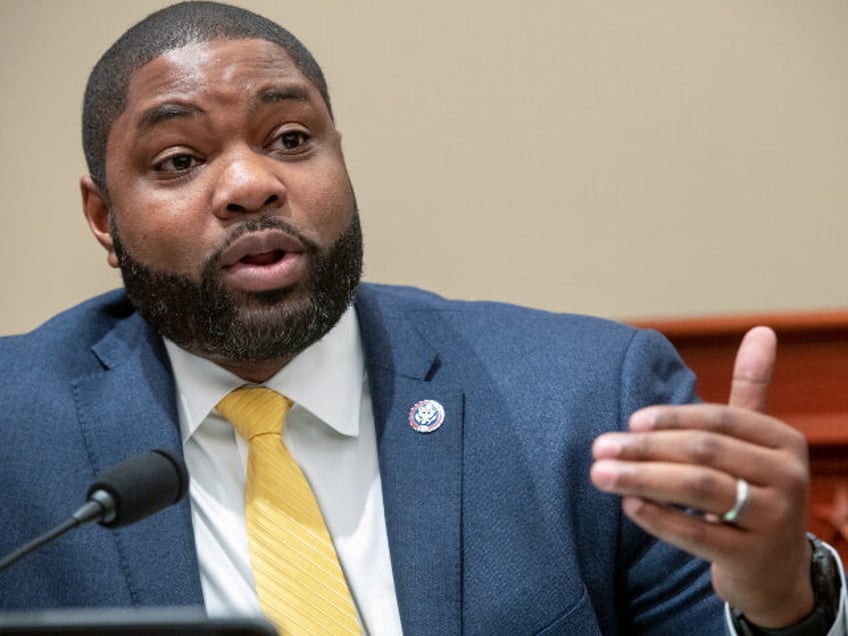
<point>326,379</point>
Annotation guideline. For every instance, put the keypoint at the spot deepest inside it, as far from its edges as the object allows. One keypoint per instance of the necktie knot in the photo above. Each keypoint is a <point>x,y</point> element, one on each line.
<point>255,410</point>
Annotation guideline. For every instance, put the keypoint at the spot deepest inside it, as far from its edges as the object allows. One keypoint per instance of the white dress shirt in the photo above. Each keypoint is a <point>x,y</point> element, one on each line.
<point>330,433</point>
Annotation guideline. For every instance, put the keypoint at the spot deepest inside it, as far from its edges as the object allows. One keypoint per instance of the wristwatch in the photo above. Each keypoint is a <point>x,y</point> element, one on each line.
<point>824,573</point>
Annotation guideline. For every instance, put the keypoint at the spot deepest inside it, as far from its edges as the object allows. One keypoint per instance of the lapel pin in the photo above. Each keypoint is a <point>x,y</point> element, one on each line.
<point>426,416</point>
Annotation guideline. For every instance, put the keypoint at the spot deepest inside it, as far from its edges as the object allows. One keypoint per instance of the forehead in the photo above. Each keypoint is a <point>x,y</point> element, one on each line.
<point>220,69</point>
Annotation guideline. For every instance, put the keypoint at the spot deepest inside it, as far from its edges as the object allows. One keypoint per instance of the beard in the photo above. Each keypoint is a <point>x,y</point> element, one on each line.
<point>211,320</point>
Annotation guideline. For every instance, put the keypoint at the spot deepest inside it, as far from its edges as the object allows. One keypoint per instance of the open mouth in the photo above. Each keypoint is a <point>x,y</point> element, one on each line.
<point>265,258</point>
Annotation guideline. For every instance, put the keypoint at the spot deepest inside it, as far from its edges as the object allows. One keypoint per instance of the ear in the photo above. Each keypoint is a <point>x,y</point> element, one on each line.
<point>95,206</point>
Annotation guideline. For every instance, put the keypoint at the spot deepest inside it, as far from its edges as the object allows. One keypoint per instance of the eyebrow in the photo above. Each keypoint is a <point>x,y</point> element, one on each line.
<point>278,94</point>
<point>163,112</point>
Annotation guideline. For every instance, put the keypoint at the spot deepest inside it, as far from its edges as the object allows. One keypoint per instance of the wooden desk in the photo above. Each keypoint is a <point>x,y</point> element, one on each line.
<point>809,391</point>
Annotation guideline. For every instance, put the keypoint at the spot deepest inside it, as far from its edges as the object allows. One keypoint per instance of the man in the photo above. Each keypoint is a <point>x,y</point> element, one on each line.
<point>449,445</point>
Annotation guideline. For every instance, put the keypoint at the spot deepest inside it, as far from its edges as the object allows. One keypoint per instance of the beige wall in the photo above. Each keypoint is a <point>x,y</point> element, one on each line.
<point>627,159</point>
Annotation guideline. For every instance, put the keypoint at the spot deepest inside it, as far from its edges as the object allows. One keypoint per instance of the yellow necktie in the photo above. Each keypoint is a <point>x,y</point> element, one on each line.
<point>299,581</point>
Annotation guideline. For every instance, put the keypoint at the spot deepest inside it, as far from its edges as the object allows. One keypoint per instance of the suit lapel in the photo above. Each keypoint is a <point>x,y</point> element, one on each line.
<point>421,473</point>
<point>126,408</point>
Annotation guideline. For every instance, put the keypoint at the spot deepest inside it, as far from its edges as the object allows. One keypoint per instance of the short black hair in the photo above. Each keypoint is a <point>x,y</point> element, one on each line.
<point>165,30</point>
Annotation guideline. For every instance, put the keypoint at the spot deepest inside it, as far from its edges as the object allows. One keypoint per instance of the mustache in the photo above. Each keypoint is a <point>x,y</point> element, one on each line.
<point>213,261</point>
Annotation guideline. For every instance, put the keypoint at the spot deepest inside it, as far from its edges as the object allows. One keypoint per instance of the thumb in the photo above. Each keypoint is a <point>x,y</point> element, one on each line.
<point>752,370</point>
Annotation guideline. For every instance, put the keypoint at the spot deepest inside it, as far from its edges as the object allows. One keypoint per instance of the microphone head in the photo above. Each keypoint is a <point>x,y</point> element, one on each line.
<point>142,485</point>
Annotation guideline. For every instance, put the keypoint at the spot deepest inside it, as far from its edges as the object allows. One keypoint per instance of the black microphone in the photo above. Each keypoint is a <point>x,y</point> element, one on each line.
<point>128,492</point>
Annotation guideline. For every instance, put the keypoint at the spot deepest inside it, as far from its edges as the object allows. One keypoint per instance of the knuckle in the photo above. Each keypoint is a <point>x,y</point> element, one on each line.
<point>793,476</point>
<point>787,500</point>
<point>797,442</point>
<point>643,447</point>
<point>798,482</point>
<point>704,449</point>
<point>719,418</point>
<point>665,418</point>
<point>635,446</point>
<point>702,486</point>
<point>780,511</point>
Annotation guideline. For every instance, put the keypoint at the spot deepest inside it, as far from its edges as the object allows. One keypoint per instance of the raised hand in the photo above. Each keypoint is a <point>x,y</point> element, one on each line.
<point>722,459</point>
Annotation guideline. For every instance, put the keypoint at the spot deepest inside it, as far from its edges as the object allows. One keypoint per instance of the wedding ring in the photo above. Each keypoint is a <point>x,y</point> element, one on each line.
<point>743,490</point>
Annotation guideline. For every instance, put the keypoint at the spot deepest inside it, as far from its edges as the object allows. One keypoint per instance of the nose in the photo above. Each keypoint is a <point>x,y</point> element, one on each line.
<point>248,182</point>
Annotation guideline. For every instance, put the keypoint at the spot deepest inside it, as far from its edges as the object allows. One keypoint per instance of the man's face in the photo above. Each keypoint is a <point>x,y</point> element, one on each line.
<point>230,211</point>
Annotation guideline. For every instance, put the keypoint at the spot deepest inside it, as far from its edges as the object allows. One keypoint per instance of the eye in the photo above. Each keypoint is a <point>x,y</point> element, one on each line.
<point>291,142</point>
<point>177,164</point>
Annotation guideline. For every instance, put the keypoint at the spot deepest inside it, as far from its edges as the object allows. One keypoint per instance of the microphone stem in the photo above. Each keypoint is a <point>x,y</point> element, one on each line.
<point>89,512</point>
<point>38,541</point>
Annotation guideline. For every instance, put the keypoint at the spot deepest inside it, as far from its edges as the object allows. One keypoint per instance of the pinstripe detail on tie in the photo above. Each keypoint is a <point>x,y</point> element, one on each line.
<point>299,581</point>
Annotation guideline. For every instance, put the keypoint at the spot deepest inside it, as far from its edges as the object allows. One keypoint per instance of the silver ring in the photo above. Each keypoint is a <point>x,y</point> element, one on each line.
<point>743,490</point>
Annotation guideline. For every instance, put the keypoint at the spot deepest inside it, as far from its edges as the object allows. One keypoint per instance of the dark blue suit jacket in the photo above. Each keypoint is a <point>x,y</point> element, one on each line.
<point>493,524</point>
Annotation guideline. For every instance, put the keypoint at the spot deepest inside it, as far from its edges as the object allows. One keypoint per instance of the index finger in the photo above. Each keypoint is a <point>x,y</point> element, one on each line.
<point>752,369</point>
<point>743,424</point>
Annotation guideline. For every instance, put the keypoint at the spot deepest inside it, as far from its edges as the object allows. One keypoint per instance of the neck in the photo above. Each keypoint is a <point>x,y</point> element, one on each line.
<point>255,371</point>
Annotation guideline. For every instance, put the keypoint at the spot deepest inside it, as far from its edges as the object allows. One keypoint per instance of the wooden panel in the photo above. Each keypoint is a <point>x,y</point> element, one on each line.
<point>809,390</point>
